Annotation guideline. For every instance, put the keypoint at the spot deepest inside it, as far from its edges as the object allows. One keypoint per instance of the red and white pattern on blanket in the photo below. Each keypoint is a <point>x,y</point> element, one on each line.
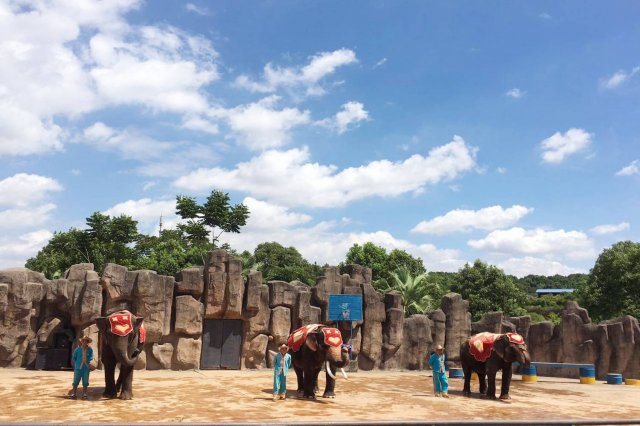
<point>122,324</point>
<point>481,344</point>
<point>298,337</point>
<point>332,336</point>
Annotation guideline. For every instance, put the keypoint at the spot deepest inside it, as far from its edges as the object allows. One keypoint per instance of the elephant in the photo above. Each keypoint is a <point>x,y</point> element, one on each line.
<point>311,347</point>
<point>485,354</point>
<point>122,336</point>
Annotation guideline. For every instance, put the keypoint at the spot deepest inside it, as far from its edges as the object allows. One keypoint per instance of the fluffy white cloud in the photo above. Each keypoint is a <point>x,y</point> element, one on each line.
<point>537,242</point>
<point>316,185</point>
<point>24,133</point>
<point>558,146</point>
<point>21,190</point>
<point>260,125</point>
<point>515,93</point>
<point>609,229</point>
<point>528,265</point>
<point>631,169</point>
<point>488,218</point>
<point>14,251</point>
<point>267,216</point>
<point>21,218</point>
<point>147,212</point>
<point>200,10</point>
<point>307,77</point>
<point>619,77</point>
<point>352,112</point>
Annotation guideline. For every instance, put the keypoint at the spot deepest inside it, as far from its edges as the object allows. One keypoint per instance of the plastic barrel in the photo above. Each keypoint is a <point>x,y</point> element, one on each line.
<point>632,382</point>
<point>614,379</point>
<point>456,373</point>
<point>587,375</point>
<point>529,374</point>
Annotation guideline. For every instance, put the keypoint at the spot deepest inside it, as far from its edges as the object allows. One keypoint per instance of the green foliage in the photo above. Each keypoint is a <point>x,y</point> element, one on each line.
<point>382,264</point>
<point>531,283</point>
<point>613,286</point>
<point>212,218</point>
<point>419,295</point>
<point>548,307</point>
<point>488,289</point>
<point>283,263</point>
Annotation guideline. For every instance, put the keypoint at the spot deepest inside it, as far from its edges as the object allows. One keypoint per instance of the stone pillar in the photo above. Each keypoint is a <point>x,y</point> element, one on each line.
<point>392,331</point>
<point>458,325</point>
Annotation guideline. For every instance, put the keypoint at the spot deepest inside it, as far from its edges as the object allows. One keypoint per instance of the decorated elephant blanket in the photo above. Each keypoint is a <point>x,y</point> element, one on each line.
<point>332,336</point>
<point>122,324</point>
<point>481,344</point>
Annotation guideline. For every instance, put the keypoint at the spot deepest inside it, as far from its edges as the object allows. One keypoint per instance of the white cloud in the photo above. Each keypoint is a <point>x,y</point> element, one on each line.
<point>147,212</point>
<point>352,112</point>
<point>619,77</point>
<point>200,124</point>
<point>316,185</point>
<point>558,146</point>
<point>537,242</point>
<point>20,218</point>
<point>200,10</point>
<point>528,265</point>
<point>380,63</point>
<point>267,216</point>
<point>261,126</point>
<point>515,93</point>
<point>307,77</point>
<point>610,228</point>
<point>21,190</point>
<point>545,16</point>
<point>25,133</point>
<point>631,169</point>
<point>501,170</point>
<point>488,218</point>
<point>14,251</point>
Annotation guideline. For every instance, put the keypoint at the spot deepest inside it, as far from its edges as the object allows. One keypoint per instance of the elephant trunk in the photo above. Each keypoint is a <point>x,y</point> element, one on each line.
<point>524,358</point>
<point>121,353</point>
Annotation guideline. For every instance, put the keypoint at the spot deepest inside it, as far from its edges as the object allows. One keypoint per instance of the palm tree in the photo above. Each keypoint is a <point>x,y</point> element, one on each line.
<point>418,294</point>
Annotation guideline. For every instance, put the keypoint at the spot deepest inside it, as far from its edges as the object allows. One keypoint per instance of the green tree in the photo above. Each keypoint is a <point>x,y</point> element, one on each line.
<point>283,263</point>
<point>383,264</point>
<point>488,288</point>
<point>400,259</point>
<point>613,286</point>
<point>63,250</point>
<point>419,295</point>
<point>212,218</point>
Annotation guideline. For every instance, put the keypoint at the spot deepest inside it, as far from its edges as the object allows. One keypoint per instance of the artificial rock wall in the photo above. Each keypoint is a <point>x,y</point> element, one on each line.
<point>33,309</point>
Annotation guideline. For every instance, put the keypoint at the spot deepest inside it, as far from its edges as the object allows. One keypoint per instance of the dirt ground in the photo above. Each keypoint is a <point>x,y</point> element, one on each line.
<point>245,396</point>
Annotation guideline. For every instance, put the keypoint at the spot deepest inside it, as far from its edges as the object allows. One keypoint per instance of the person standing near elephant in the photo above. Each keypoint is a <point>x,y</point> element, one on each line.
<point>440,381</point>
<point>81,358</point>
<point>281,365</point>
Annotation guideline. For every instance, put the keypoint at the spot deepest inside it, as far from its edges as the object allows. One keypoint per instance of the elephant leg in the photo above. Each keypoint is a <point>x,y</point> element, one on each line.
<point>109,365</point>
<point>506,381</point>
<point>491,389</point>
<point>329,389</point>
<point>309,382</point>
<point>482,379</point>
<point>466,389</point>
<point>300,378</point>
<point>126,379</point>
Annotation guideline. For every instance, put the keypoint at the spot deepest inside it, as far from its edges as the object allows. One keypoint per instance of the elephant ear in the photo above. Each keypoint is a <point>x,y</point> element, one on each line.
<point>500,346</point>
<point>103,324</point>
<point>311,342</point>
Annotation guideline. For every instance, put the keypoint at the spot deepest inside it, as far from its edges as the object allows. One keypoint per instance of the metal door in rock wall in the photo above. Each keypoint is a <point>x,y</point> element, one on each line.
<point>221,345</point>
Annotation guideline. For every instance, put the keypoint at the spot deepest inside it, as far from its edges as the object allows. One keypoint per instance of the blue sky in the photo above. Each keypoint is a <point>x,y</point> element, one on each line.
<point>504,131</point>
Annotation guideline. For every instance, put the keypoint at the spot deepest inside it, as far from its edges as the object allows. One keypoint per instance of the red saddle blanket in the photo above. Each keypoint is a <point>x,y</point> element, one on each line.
<point>481,344</point>
<point>122,324</point>
<point>332,336</point>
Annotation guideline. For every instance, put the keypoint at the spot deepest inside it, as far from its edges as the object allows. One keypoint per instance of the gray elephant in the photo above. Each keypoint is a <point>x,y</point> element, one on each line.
<point>485,354</point>
<point>122,336</point>
<point>312,347</point>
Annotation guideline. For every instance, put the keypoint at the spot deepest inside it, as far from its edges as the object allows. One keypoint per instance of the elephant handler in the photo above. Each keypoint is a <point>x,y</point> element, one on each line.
<point>81,358</point>
<point>440,381</point>
<point>281,365</point>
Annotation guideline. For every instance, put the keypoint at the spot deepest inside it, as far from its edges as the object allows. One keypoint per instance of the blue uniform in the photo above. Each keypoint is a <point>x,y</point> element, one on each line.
<point>281,366</point>
<point>440,381</point>
<point>80,370</point>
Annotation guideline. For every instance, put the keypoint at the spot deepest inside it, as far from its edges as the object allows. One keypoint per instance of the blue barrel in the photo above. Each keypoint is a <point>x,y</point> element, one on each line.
<point>529,371</point>
<point>614,379</point>
<point>456,373</point>
<point>587,372</point>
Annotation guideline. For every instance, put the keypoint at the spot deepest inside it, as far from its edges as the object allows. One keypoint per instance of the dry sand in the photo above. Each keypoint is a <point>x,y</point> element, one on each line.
<point>245,396</point>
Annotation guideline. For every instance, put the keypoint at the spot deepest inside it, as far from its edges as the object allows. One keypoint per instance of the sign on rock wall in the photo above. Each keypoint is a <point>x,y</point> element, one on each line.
<point>345,307</point>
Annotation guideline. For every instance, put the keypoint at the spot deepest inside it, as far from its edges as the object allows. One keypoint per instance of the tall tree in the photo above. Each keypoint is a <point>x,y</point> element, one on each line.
<point>383,264</point>
<point>283,263</point>
<point>488,288</point>
<point>212,218</point>
<point>613,286</point>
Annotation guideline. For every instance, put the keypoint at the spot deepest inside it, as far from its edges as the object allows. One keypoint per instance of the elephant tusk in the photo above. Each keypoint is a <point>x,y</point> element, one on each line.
<point>344,374</point>
<point>329,372</point>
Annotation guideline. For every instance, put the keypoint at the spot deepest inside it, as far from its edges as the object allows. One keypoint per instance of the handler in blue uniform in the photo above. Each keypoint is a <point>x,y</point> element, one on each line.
<point>440,381</point>
<point>81,358</point>
<point>281,365</point>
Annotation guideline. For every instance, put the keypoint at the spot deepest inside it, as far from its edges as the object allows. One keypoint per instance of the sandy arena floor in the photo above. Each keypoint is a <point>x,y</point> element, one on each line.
<point>245,396</point>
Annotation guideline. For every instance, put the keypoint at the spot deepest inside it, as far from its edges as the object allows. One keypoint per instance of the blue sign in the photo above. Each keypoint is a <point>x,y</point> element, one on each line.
<point>345,307</point>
